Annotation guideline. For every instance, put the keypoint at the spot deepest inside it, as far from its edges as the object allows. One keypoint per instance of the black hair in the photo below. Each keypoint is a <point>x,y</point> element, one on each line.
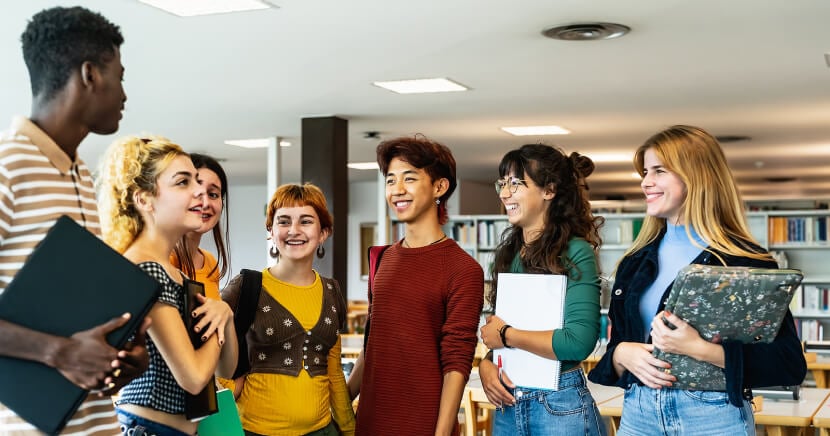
<point>58,40</point>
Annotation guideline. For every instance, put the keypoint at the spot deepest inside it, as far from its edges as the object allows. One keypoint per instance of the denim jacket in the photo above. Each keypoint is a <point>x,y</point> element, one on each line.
<point>780,362</point>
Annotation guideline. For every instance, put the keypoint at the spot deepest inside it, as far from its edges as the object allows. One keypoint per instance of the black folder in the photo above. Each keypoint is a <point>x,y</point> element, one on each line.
<point>200,406</point>
<point>71,282</point>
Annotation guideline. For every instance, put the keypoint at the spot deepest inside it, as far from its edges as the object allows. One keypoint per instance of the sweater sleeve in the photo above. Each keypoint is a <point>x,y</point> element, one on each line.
<point>578,336</point>
<point>341,405</point>
<point>463,309</point>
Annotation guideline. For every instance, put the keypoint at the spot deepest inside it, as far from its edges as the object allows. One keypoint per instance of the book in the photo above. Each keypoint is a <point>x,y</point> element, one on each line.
<point>203,404</point>
<point>726,303</point>
<point>530,302</point>
<point>71,282</point>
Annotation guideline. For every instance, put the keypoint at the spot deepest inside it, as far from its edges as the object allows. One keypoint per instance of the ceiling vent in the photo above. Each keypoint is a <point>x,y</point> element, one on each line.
<point>723,139</point>
<point>586,31</point>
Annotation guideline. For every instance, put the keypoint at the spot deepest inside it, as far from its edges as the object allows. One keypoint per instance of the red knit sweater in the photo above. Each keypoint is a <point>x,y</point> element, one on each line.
<point>424,316</point>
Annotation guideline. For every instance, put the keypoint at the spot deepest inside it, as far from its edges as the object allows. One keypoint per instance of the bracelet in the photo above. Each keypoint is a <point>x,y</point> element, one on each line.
<point>502,332</point>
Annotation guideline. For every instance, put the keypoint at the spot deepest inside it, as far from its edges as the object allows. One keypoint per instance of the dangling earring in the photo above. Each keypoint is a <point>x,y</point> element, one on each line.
<point>321,251</point>
<point>273,251</point>
<point>437,201</point>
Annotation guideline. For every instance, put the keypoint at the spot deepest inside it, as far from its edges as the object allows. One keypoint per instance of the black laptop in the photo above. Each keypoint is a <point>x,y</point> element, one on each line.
<point>72,281</point>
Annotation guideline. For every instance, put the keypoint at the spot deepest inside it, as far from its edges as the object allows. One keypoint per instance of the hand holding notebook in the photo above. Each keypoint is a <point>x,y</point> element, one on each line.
<point>726,303</point>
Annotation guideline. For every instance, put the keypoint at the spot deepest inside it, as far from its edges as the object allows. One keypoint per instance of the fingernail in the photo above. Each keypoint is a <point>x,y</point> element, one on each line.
<point>222,342</point>
<point>204,338</point>
<point>126,315</point>
<point>194,314</point>
<point>196,329</point>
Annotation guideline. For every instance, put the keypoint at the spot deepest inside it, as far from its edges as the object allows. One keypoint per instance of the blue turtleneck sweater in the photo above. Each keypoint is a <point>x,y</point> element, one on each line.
<point>676,251</point>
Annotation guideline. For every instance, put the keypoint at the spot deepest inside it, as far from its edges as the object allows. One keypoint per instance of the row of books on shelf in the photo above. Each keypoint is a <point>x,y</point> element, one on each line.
<point>484,234</point>
<point>808,229</point>
<point>627,231</point>
<point>811,299</point>
<point>810,329</point>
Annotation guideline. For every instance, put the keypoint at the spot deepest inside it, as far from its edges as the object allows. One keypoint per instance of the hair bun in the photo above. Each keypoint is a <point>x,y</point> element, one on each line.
<point>583,165</point>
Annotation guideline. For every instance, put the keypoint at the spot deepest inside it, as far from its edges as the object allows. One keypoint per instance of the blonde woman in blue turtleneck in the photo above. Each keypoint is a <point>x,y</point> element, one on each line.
<point>694,214</point>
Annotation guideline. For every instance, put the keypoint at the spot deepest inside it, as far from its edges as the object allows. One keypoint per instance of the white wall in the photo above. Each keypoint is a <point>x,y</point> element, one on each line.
<point>363,208</point>
<point>248,246</point>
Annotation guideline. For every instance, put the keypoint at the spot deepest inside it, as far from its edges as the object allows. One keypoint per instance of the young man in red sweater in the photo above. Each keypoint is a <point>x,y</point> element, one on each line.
<point>426,299</point>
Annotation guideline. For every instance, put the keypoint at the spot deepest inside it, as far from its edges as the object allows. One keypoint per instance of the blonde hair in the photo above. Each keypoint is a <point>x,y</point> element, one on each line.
<point>131,164</point>
<point>713,205</point>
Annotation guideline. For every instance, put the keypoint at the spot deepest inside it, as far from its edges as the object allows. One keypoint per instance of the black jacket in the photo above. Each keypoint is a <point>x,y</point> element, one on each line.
<point>780,362</point>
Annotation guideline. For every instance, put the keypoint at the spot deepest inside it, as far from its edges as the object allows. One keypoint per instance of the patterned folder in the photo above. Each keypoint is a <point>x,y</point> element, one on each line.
<point>736,303</point>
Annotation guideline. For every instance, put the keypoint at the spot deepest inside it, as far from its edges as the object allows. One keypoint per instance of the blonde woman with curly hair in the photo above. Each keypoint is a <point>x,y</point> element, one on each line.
<point>149,199</point>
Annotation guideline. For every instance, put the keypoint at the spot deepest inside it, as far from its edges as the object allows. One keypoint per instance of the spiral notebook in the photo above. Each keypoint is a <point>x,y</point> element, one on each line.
<point>71,282</point>
<point>735,303</point>
<point>530,302</point>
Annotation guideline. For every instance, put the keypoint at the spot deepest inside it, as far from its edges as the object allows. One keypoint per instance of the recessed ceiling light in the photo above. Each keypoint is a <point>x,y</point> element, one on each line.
<point>586,31</point>
<point>249,143</point>
<point>191,8</point>
<point>536,130</point>
<point>420,86</point>
<point>611,157</point>
<point>285,143</point>
<point>363,165</point>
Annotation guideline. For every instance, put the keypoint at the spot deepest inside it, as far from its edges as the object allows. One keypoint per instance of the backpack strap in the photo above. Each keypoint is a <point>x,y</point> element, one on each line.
<point>375,254</point>
<point>243,316</point>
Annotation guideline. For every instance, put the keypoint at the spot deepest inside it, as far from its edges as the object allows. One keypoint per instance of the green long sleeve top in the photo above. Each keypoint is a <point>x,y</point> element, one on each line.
<point>578,336</point>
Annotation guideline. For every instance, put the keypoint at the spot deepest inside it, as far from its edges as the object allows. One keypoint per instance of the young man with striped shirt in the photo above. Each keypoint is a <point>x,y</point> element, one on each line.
<point>75,71</point>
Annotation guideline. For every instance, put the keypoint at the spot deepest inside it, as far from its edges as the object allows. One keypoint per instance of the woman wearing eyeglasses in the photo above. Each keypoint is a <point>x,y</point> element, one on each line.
<point>553,232</point>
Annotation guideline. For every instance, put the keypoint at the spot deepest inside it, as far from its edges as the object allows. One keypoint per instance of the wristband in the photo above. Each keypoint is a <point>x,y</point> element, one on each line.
<point>502,332</point>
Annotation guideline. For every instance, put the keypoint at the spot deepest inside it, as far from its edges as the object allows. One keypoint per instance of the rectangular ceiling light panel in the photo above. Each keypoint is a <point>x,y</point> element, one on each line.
<point>420,86</point>
<point>191,8</point>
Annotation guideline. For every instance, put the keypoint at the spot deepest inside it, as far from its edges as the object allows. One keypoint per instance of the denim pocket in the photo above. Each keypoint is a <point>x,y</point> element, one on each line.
<point>711,397</point>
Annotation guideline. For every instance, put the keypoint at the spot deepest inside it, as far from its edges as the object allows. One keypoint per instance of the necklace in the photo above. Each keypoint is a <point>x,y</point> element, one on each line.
<point>405,243</point>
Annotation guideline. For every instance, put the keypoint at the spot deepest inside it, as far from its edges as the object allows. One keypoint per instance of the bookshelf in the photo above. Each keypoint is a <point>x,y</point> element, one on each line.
<point>478,235</point>
<point>796,238</point>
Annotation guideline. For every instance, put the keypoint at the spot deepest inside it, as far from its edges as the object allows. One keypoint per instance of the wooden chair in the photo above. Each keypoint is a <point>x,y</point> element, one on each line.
<point>476,419</point>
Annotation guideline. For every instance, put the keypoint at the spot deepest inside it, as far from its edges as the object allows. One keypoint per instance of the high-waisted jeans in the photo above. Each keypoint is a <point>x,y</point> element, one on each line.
<point>571,410</point>
<point>669,412</point>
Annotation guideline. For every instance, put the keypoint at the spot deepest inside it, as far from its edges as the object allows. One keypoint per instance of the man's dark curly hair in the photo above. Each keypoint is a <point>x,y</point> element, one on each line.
<point>58,40</point>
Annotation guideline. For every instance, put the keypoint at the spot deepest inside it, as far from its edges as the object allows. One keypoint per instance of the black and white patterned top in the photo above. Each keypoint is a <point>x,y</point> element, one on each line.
<point>157,388</point>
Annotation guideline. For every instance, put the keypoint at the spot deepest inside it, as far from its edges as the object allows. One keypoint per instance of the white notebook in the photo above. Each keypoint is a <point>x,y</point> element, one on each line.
<point>530,302</point>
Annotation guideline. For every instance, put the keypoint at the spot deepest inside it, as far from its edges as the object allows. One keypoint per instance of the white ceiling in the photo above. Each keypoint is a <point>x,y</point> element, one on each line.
<point>737,67</point>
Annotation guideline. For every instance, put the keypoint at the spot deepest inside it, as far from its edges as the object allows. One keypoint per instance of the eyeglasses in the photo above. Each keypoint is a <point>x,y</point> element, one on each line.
<point>513,183</point>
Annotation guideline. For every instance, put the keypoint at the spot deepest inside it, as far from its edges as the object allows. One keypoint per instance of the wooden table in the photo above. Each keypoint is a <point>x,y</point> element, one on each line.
<point>779,417</point>
<point>820,369</point>
<point>351,344</point>
<point>791,417</point>
<point>821,419</point>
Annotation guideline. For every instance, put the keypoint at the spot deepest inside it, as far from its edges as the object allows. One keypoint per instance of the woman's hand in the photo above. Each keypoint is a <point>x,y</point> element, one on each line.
<point>492,384</point>
<point>490,332</point>
<point>683,339</point>
<point>216,313</point>
<point>636,358</point>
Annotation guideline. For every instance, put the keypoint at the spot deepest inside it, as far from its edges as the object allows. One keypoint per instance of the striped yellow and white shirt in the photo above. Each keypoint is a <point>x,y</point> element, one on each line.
<point>39,182</point>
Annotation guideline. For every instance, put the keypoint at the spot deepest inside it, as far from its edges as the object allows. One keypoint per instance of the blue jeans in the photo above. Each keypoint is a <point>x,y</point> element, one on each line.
<point>134,425</point>
<point>569,411</point>
<point>670,412</point>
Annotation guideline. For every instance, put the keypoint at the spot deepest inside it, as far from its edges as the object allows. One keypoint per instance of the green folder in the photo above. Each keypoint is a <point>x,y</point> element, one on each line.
<point>226,422</point>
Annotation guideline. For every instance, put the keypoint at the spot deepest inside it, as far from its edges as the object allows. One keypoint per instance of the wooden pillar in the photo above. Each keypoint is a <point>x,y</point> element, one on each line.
<point>324,159</point>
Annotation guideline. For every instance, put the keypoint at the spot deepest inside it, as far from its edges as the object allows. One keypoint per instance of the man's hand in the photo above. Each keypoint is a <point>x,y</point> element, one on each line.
<point>132,361</point>
<point>85,358</point>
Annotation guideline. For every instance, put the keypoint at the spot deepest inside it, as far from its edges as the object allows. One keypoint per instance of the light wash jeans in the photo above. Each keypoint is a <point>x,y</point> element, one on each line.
<point>670,412</point>
<point>569,411</point>
<point>134,425</point>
